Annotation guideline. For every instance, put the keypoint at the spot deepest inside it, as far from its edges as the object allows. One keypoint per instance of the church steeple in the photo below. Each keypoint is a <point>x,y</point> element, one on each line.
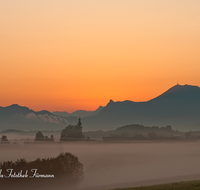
<point>79,122</point>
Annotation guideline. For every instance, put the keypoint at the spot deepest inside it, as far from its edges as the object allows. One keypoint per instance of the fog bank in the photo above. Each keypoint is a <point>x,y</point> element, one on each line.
<point>120,164</point>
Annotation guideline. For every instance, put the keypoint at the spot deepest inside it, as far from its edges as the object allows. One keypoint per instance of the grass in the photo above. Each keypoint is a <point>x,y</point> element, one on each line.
<point>188,185</point>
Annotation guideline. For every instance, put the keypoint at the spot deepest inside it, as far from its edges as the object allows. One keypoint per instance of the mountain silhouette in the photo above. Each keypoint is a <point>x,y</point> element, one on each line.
<point>15,109</point>
<point>96,112</point>
<point>181,92</point>
<point>179,107</point>
<point>23,118</point>
<point>79,113</point>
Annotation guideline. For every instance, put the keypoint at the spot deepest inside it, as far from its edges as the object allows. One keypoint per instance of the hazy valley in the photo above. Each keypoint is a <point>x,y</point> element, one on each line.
<point>111,165</point>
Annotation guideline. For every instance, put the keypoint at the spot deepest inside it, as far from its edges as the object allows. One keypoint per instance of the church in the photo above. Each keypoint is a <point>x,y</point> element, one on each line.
<point>72,132</point>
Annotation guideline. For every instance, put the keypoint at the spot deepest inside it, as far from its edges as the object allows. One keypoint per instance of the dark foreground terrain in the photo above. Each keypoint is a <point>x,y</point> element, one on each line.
<point>186,185</point>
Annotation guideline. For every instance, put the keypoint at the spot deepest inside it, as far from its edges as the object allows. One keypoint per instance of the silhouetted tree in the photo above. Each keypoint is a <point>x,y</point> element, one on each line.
<point>169,128</point>
<point>4,138</point>
<point>39,136</point>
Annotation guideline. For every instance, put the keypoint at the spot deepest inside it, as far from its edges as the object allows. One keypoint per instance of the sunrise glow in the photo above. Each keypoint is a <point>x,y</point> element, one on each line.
<point>69,55</point>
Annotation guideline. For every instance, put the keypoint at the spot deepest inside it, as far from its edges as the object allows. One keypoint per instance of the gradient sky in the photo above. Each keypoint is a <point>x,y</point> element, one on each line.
<point>78,54</point>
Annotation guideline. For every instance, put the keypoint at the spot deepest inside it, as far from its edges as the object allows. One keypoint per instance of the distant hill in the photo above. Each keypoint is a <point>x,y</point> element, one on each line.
<point>179,107</point>
<point>96,112</point>
<point>15,109</point>
<point>63,114</point>
<point>79,113</point>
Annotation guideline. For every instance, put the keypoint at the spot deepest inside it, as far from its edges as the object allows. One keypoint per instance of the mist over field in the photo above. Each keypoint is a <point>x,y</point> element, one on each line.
<point>112,165</point>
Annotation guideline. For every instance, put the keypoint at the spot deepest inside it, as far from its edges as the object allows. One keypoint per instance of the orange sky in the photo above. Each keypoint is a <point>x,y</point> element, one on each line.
<point>68,55</point>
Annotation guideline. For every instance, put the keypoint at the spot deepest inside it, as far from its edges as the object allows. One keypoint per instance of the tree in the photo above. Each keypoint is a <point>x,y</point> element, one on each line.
<point>169,128</point>
<point>39,136</point>
<point>4,138</point>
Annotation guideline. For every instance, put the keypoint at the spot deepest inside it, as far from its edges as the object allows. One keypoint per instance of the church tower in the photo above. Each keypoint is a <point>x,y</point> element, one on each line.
<point>79,122</point>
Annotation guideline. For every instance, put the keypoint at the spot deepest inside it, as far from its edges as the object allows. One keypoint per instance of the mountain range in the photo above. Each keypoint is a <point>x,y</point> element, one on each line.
<point>23,118</point>
<point>179,107</point>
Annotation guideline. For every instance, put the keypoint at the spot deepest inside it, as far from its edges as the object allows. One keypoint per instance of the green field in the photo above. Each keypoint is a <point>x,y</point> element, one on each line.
<point>189,185</point>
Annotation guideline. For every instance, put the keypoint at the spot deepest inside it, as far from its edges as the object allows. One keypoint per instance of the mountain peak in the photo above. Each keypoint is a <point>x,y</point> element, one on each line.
<point>111,101</point>
<point>181,91</point>
<point>14,105</point>
<point>183,87</point>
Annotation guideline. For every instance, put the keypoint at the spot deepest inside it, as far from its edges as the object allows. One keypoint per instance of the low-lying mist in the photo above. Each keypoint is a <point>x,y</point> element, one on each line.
<point>118,164</point>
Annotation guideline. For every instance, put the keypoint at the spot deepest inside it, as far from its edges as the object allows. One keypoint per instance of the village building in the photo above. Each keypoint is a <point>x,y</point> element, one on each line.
<point>72,132</point>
